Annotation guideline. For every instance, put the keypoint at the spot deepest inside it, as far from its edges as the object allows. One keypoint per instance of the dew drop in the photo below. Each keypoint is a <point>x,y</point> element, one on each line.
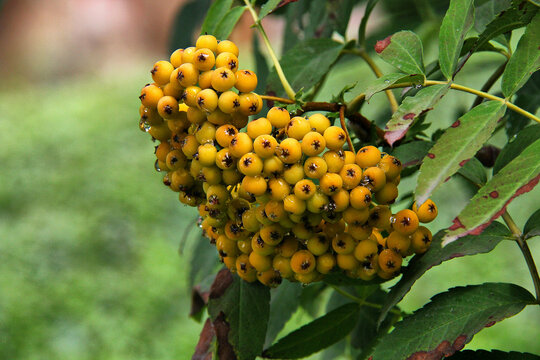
<point>392,219</point>
<point>387,81</point>
<point>156,165</point>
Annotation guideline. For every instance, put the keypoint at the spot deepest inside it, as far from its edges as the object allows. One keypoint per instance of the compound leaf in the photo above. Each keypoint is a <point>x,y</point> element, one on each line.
<point>458,144</point>
<point>306,64</point>
<point>469,245</point>
<point>268,7</point>
<point>216,13</point>
<point>456,23</point>
<point>411,108</point>
<point>524,61</point>
<point>404,51</point>
<point>316,335</point>
<point>227,24</point>
<point>246,307</point>
<point>521,175</point>
<point>385,81</point>
<point>450,320</point>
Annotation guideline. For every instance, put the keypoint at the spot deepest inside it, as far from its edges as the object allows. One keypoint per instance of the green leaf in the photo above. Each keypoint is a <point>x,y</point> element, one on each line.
<point>411,108</point>
<point>338,278</point>
<point>532,227</point>
<point>404,51</point>
<point>268,7</point>
<point>524,61</point>
<point>310,300</point>
<point>227,24</point>
<point>215,14</point>
<point>516,145</point>
<point>455,25</point>
<point>385,81</point>
<point>261,65</point>
<point>363,23</point>
<point>187,20</point>
<point>458,144</point>
<point>527,98</point>
<point>450,320</point>
<point>203,261</point>
<point>518,177</point>
<point>419,264</point>
<point>493,355</point>
<point>306,64</point>
<point>487,12</point>
<point>317,335</point>
<point>411,154</point>
<point>285,299</point>
<point>246,307</point>
<point>474,171</point>
<point>519,14</point>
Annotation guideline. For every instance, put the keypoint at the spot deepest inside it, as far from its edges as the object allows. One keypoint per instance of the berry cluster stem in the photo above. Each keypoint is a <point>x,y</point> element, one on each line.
<point>344,127</point>
<point>524,247</point>
<point>286,86</point>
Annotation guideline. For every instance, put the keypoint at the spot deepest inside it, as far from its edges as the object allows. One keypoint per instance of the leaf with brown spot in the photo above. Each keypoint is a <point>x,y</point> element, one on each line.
<point>203,350</point>
<point>493,355</point>
<point>458,143</point>
<point>436,255</point>
<point>245,308</point>
<point>411,108</point>
<point>404,51</point>
<point>450,320</point>
<point>518,177</point>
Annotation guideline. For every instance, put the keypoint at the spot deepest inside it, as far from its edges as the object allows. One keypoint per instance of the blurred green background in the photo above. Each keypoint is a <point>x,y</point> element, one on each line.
<point>89,236</point>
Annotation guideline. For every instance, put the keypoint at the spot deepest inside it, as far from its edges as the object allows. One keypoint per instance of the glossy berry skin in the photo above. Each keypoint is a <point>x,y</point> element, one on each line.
<point>278,117</point>
<point>204,59</point>
<point>293,173</point>
<point>405,222</point>
<point>176,57</point>
<point>227,46</point>
<point>330,183</point>
<point>187,75</point>
<point>318,244</point>
<point>250,103</point>
<point>366,250</point>
<point>398,242</point>
<point>294,205</point>
<point>390,261</point>
<point>303,262</point>
<point>319,122</point>
<point>207,41</point>
<point>264,145</point>
<point>351,174</point>
<point>250,164</point>
<point>205,79</point>
<point>272,166</point>
<point>229,102</point>
<point>421,240</point>
<point>335,160</point>
<point>387,195</point>
<point>335,137</point>
<point>289,151</point>
<point>298,127</point>
<point>259,127</point>
<point>240,144</point>
<point>368,156</point>
<point>224,135</point>
<point>315,167</point>
<point>190,95</point>
<point>227,60</point>
<point>391,167</point>
<point>360,197</point>
<point>347,262</point>
<point>246,81</point>
<point>223,79</point>
<point>427,212</point>
<point>161,72</point>
<point>150,95</point>
<point>207,100</point>
<point>255,185</point>
<point>373,178</point>
<point>304,189</point>
<point>325,263</point>
<point>313,143</point>
<point>343,244</point>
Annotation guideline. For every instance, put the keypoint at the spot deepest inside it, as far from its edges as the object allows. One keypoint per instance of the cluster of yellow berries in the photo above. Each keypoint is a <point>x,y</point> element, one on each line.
<point>282,198</point>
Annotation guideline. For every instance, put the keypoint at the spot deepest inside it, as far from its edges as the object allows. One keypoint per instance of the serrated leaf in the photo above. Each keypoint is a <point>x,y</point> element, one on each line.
<point>306,64</point>
<point>516,145</point>
<point>458,144</point>
<point>316,335</point>
<point>527,98</point>
<point>524,61</point>
<point>404,51</point>
<point>227,24</point>
<point>385,81</point>
<point>410,109</point>
<point>456,24</point>
<point>532,227</point>
<point>493,355</point>
<point>519,14</point>
<point>450,320</point>
<point>268,7</point>
<point>411,154</point>
<point>474,171</point>
<point>285,299</point>
<point>215,14</point>
<point>419,264</point>
<point>246,307</point>
<point>521,175</point>
<point>186,22</point>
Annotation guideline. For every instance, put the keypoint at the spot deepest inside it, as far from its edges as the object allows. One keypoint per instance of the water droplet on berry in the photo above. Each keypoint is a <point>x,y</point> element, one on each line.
<point>156,166</point>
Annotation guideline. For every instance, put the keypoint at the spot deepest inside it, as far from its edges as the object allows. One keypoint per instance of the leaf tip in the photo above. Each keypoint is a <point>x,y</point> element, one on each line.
<point>382,44</point>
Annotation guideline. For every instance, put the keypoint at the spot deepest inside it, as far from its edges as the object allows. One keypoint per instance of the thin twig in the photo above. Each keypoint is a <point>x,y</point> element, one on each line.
<point>489,83</point>
<point>362,302</point>
<point>524,247</point>
<point>344,127</point>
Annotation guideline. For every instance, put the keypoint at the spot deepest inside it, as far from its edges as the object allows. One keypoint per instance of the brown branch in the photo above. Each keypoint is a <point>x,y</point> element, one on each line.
<point>344,127</point>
